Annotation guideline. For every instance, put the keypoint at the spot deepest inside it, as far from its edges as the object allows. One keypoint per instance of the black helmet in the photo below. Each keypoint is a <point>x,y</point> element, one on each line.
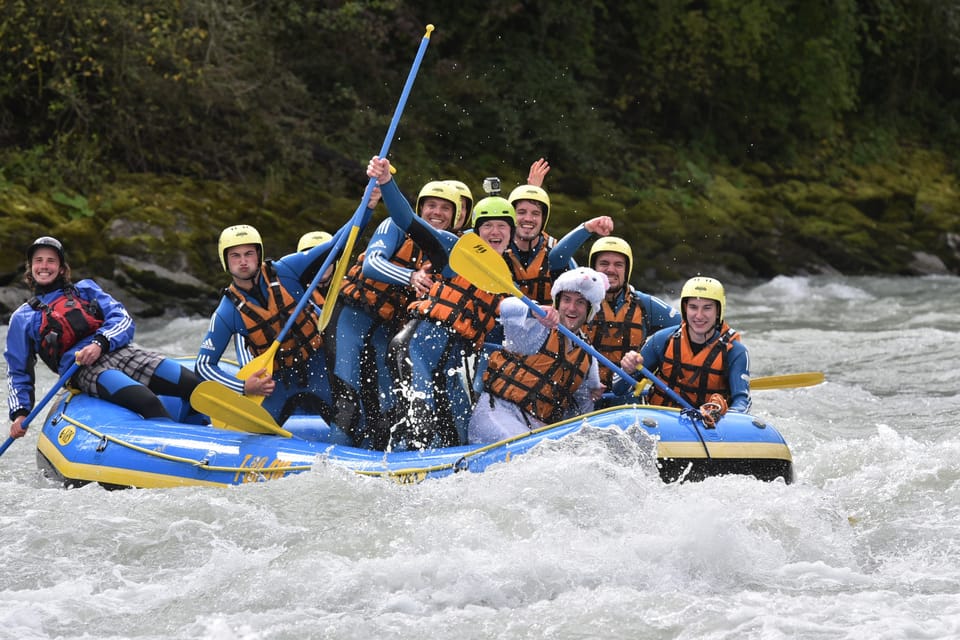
<point>46,241</point>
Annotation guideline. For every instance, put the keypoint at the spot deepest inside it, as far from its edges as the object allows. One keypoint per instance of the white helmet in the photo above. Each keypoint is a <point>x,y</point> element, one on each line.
<point>591,284</point>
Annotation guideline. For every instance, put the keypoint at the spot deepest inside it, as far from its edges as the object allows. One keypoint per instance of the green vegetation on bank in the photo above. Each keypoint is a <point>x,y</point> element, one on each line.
<point>751,137</point>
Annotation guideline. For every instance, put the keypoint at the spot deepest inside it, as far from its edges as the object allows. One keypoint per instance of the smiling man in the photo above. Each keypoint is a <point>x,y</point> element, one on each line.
<point>540,376</point>
<point>392,272</point>
<point>627,316</point>
<point>536,258</point>
<point>702,361</point>
<point>66,322</point>
<point>448,323</point>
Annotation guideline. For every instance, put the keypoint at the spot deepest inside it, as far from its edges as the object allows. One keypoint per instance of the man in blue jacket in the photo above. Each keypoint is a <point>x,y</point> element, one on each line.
<point>703,360</point>
<point>253,311</point>
<point>65,323</point>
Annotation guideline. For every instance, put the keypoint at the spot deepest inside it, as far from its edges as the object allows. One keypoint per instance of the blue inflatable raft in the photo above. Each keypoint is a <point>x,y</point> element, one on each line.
<point>84,439</point>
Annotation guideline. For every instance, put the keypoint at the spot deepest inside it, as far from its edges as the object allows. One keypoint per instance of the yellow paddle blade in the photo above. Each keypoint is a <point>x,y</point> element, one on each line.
<point>239,412</point>
<point>479,263</point>
<point>330,300</point>
<point>262,361</point>
<point>765,383</point>
<point>787,381</point>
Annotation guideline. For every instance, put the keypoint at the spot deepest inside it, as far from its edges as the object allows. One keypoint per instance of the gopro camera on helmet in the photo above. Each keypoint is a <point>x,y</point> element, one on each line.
<point>492,186</point>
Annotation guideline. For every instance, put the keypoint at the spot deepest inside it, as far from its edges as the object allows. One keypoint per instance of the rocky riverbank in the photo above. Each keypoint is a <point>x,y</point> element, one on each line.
<point>151,241</point>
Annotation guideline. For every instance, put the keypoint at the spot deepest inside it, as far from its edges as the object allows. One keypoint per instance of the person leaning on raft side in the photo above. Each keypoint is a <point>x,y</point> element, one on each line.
<point>540,376</point>
<point>65,323</point>
<point>388,275</point>
<point>627,316</point>
<point>449,323</point>
<point>703,360</point>
<point>256,307</point>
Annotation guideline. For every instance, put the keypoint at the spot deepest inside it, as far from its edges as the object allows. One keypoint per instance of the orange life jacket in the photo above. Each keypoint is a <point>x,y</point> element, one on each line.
<point>65,321</point>
<point>541,384</point>
<point>386,300</point>
<point>264,324</point>
<point>614,333</point>
<point>695,376</point>
<point>460,306</point>
<point>534,279</point>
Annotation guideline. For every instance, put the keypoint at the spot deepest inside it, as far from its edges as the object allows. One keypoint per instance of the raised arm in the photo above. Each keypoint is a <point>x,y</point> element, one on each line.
<point>561,254</point>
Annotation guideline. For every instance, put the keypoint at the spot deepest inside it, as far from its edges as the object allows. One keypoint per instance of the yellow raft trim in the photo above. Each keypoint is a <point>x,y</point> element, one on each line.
<point>725,450</point>
<point>665,450</point>
<point>411,475</point>
<point>147,479</point>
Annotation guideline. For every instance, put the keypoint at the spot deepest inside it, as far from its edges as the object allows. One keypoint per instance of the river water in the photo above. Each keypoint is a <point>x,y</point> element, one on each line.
<point>577,541</point>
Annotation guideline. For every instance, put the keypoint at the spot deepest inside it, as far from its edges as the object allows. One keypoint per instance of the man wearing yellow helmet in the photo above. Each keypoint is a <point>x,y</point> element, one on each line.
<point>627,316</point>
<point>704,360</point>
<point>540,376</point>
<point>535,257</point>
<point>466,206</point>
<point>371,308</point>
<point>450,321</point>
<point>252,312</point>
<point>312,238</point>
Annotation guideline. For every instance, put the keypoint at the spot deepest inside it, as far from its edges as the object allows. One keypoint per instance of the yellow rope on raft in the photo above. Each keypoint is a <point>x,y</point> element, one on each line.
<point>201,464</point>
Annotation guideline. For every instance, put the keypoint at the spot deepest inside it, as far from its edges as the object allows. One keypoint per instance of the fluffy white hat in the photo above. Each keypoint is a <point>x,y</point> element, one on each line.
<point>591,284</point>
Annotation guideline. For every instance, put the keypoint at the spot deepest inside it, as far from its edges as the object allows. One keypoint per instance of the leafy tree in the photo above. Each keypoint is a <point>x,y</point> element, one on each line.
<point>752,75</point>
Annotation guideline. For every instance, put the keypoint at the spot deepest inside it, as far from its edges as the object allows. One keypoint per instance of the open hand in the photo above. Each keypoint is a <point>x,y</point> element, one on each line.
<point>538,171</point>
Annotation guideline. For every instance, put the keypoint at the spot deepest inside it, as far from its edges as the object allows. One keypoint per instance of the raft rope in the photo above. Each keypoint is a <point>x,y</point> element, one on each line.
<point>402,476</point>
<point>201,464</point>
<point>463,462</point>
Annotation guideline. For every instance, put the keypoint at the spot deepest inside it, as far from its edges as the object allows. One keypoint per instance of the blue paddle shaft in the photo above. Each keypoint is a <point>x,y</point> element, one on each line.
<point>39,407</point>
<point>606,361</point>
<point>340,238</point>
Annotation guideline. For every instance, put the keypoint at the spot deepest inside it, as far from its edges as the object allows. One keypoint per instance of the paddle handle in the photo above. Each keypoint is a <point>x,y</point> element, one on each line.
<point>660,384</point>
<point>39,407</point>
<point>340,238</point>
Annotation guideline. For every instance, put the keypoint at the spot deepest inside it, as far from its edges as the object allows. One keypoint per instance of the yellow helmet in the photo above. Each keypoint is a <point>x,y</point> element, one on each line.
<point>312,238</point>
<point>464,192</point>
<point>530,192</point>
<point>706,288</point>
<point>444,191</point>
<point>235,236</point>
<point>615,245</point>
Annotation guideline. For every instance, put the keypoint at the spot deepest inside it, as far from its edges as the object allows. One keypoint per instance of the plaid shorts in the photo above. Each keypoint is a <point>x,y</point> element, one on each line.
<point>132,360</point>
